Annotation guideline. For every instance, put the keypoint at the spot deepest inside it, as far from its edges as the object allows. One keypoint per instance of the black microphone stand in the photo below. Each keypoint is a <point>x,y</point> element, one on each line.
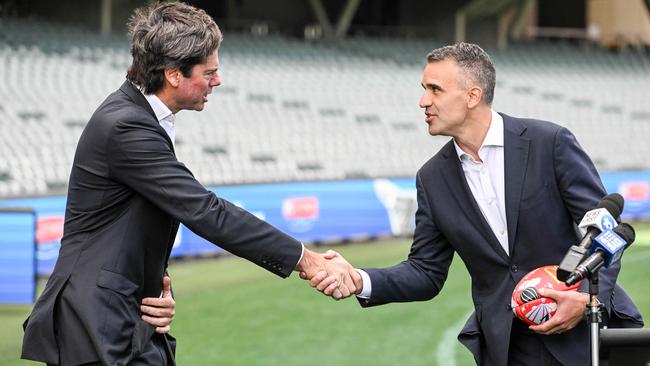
<point>593,313</point>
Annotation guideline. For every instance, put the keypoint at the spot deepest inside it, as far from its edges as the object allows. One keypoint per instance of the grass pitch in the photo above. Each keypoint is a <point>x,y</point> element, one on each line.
<point>230,312</point>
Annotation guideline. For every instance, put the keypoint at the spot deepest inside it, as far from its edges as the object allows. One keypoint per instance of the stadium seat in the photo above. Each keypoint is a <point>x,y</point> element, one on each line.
<point>295,110</point>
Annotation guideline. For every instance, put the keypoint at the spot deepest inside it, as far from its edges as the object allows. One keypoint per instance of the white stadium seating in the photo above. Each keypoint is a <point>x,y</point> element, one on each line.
<point>294,110</point>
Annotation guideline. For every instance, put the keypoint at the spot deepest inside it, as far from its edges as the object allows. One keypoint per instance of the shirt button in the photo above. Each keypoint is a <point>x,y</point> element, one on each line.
<point>514,268</point>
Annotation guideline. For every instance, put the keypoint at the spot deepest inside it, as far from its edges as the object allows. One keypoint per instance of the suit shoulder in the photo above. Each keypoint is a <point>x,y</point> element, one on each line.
<point>436,161</point>
<point>117,106</point>
<point>118,109</point>
<point>116,112</point>
<point>531,125</point>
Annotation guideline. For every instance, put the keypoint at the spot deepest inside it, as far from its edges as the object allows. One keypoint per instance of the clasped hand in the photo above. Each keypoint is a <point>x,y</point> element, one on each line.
<point>330,274</point>
<point>159,311</point>
<point>570,311</point>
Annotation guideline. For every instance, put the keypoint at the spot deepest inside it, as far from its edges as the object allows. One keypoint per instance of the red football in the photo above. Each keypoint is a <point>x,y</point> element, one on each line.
<point>526,302</point>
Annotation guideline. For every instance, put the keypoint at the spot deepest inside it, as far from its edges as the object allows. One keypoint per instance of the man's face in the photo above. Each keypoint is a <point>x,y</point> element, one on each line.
<point>192,92</point>
<point>445,98</point>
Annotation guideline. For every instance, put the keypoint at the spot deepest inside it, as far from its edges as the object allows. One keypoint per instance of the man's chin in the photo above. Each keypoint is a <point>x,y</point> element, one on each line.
<point>198,107</point>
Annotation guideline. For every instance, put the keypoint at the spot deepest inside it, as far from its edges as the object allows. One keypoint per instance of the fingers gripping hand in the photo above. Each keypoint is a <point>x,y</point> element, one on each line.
<point>320,276</point>
<point>160,311</point>
<point>337,266</point>
<point>335,280</point>
<point>333,276</point>
<point>331,254</point>
<point>570,311</point>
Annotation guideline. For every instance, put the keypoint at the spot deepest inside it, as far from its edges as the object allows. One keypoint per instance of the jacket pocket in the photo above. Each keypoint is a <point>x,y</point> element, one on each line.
<point>119,315</point>
<point>116,282</point>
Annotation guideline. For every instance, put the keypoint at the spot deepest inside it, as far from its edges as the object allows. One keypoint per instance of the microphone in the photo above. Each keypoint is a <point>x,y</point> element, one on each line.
<point>607,249</point>
<point>603,216</point>
<point>600,219</point>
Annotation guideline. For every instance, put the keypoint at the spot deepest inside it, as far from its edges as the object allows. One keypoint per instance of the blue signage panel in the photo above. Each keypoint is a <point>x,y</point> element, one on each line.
<point>314,211</point>
<point>50,213</point>
<point>17,257</point>
<point>310,212</point>
<point>635,189</point>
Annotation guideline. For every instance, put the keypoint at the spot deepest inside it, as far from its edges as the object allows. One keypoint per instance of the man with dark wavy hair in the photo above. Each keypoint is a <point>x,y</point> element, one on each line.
<point>126,197</point>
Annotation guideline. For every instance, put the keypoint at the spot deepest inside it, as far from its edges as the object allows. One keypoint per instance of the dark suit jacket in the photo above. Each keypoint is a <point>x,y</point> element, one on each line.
<point>127,194</point>
<point>550,183</point>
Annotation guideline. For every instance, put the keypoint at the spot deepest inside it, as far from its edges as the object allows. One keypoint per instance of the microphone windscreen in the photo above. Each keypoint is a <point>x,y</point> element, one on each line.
<point>613,203</point>
<point>626,231</point>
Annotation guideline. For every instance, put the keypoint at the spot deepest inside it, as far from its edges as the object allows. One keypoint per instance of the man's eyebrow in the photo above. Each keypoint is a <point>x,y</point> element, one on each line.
<point>431,85</point>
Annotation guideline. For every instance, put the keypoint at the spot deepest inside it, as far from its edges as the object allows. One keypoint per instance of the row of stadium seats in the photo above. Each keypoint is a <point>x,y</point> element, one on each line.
<point>296,110</point>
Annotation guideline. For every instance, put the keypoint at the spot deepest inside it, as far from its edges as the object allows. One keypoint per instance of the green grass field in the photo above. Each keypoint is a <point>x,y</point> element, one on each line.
<point>230,312</point>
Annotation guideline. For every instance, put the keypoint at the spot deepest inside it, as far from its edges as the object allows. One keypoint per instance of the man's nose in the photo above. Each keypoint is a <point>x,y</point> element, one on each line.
<point>215,81</point>
<point>425,101</point>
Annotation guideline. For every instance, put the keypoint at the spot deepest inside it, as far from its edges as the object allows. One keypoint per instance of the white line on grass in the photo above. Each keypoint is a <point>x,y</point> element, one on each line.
<point>446,352</point>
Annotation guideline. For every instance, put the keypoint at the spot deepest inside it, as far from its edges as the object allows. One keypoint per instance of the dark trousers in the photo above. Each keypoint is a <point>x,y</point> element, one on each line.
<point>527,349</point>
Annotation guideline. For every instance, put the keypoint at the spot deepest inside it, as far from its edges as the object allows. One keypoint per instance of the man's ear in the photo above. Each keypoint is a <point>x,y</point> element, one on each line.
<point>474,96</point>
<point>173,77</point>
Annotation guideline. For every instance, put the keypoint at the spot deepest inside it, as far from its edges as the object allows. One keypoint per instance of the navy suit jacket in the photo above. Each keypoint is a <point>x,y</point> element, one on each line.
<point>126,197</point>
<point>549,185</point>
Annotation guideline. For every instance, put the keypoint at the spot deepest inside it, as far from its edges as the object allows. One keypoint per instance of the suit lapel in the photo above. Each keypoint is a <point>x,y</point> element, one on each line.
<point>137,97</point>
<point>454,176</point>
<point>515,162</point>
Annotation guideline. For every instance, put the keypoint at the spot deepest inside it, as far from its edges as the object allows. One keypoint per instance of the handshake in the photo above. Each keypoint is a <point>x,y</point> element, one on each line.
<point>330,274</point>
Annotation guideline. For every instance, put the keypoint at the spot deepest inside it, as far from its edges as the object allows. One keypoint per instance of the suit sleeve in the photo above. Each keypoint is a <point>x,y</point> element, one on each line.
<point>421,276</point>
<point>581,189</point>
<point>141,158</point>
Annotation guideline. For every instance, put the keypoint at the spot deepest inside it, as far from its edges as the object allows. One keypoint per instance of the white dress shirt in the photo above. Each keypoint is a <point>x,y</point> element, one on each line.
<point>486,180</point>
<point>163,114</point>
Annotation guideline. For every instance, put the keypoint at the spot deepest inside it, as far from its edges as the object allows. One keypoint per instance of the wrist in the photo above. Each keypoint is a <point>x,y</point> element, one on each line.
<point>307,261</point>
<point>358,282</point>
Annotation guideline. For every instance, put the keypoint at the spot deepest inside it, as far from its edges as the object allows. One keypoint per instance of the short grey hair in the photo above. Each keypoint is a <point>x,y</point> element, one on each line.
<point>169,35</point>
<point>475,62</point>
